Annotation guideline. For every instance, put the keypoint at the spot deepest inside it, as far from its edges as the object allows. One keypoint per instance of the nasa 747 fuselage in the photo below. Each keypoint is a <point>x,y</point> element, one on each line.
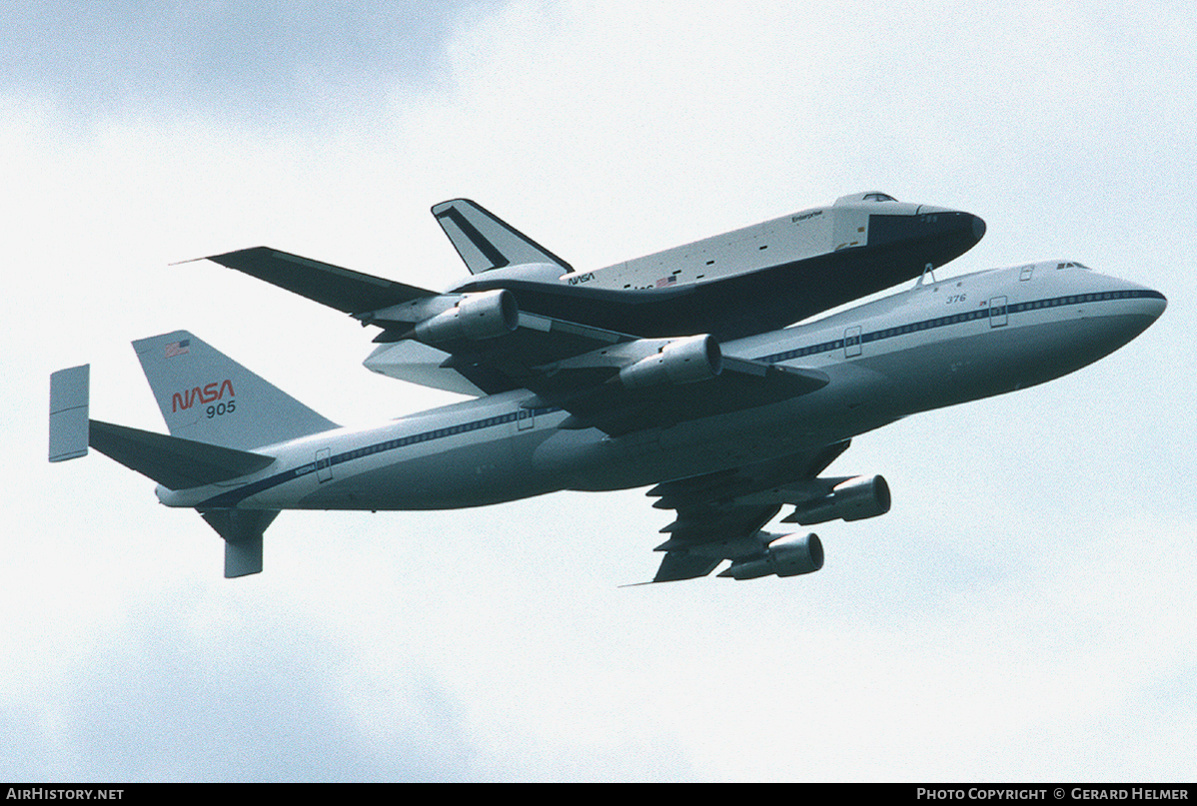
<point>728,430</point>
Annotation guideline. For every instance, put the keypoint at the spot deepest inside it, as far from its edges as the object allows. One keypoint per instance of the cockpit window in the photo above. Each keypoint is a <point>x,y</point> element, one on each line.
<point>879,197</point>
<point>1072,265</point>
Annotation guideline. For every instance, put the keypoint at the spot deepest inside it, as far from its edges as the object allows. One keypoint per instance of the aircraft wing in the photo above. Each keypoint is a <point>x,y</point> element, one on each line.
<point>343,289</point>
<point>720,515</point>
<point>584,370</point>
<point>742,384</point>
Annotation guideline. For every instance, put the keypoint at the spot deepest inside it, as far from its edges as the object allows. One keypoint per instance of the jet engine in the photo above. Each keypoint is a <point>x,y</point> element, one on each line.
<point>678,361</point>
<point>785,556</point>
<point>853,500</point>
<point>484,315</point>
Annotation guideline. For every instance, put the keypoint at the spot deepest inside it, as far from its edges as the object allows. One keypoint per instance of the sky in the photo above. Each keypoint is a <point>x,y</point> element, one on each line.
<point>1025,611</point>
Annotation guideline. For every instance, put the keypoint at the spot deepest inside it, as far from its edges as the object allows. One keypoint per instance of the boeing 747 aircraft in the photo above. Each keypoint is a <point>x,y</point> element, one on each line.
<point>676,370</point>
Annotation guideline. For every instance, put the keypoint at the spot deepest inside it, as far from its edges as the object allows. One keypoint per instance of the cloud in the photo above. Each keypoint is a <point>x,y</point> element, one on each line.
<point>288,64</point>
<point>180,694</point>
<point>198,685</point>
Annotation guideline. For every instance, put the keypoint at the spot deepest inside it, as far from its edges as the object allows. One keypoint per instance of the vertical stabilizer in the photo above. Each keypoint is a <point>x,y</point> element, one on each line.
<point>69,393</point>
<point>206,396</point>
<point>486,242</point>
<point>242,532</point>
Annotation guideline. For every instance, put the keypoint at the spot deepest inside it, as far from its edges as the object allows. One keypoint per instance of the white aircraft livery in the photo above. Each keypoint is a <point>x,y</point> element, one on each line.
<point>701,370</point>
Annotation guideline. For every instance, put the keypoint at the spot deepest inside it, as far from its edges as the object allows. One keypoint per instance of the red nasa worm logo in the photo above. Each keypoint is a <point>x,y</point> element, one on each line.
<point>209,393</point>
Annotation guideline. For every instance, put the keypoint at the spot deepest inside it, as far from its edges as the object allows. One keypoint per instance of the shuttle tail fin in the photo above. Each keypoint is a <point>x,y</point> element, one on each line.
<point>206,396</point>
<point>485,241</point>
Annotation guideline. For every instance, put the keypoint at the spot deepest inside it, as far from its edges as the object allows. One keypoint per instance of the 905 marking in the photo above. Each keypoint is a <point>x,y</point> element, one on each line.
<point>221,409</point>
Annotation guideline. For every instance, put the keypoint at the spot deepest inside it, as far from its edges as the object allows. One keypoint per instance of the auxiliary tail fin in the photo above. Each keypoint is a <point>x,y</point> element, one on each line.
<point>70,393</point>
<point>206,396</point>
<point>174,462</point>
<point>216,411</point>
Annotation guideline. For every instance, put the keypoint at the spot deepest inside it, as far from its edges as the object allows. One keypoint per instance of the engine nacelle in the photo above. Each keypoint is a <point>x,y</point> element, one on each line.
<point>786,556</point>
<point>853,500</point>
<point>679,361</point>
<point>485,315</point>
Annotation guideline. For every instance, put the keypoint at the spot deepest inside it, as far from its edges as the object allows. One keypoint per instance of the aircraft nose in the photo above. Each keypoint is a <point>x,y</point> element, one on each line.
<point>904,244</point>
<point>937,233</point>
<point>1131,310</point>
<point>1158,301</point>
<point>1140,301</point>
<point>978,227</point>
<point>1153,303</point>
<point>965,223</point>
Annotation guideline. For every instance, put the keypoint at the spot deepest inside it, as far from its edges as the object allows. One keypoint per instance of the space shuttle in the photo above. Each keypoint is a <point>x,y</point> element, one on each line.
<point>740,283</point>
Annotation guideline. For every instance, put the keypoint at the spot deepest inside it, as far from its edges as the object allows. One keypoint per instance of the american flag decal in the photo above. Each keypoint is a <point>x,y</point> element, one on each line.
<point>664,281</point>
<point>178,348</point>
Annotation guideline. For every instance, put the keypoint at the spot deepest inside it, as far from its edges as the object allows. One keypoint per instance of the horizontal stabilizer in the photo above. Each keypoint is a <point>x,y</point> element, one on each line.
<point>343,289</point>
<point>171,461</point>
<point>69,392</point>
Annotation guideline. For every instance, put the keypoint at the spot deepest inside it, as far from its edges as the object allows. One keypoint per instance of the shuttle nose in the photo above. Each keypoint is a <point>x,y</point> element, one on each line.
<point>966,223</point>
<point>978,227</point>
<point>933,235</point>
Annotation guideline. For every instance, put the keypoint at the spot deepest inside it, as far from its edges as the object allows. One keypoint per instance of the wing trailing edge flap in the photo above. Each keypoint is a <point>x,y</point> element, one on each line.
<point>676,566</point>
<point>702,540</point>
<point>720,515</point>
<point>736,486</point>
